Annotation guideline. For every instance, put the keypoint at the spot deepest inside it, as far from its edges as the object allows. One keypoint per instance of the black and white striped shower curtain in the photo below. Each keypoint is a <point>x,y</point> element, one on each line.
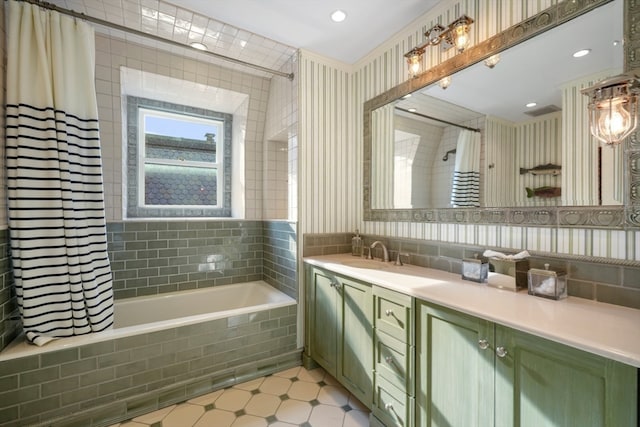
<point>54,176</point>
<point>465,190</point>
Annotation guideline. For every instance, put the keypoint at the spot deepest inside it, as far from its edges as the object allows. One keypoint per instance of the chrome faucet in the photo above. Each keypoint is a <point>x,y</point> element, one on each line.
<point>385,252</point>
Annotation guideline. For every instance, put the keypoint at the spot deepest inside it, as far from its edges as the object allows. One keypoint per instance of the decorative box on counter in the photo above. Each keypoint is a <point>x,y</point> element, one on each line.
<point>508,274</point>
<point>475,269</point>
<point>547,283</point>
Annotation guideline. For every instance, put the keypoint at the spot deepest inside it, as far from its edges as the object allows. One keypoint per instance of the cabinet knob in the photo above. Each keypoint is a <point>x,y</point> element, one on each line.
<point>389,360</point>
<point>388,312</point>
<point>334,284</point>
<point>483,344</point>
<point>501,352</point>
<point>388,406</point>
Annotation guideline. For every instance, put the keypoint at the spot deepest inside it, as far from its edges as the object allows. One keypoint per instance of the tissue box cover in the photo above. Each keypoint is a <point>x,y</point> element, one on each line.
<point>547,283</point>
<point>509,274</point>
<point>475,270</point>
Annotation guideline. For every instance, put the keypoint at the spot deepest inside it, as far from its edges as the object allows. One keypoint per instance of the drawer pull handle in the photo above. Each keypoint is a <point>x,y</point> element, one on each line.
<point>335,284</point>
<point>389,360</point>
<point>388,406</point>
<point>501,352</point>
<point>388,312</point>
<point>483,344</point>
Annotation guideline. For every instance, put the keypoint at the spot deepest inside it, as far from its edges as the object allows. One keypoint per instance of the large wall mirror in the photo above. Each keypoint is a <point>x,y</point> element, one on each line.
<point>474,152</point>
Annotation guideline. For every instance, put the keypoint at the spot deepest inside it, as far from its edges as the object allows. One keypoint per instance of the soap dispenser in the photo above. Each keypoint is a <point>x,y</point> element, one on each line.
<point>356,244</point>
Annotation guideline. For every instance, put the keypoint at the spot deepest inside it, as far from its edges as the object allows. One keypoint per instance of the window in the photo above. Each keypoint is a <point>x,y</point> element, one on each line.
<point>179,160</point>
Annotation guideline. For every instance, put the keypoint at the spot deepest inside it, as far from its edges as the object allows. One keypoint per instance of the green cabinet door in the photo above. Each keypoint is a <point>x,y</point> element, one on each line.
<point>356,340</point>
<point>322,317</point>
<point>540,383</point>
<point>455,369</point>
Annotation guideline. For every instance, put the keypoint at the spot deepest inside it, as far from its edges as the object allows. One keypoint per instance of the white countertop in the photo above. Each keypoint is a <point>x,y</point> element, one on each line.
<point>608,330</point>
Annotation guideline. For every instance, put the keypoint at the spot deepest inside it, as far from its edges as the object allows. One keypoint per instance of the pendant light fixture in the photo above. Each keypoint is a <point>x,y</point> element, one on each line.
<point>613,108</point>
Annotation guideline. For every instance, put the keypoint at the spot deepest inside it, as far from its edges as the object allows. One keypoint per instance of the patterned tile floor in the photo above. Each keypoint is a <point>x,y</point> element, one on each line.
<point>295,397</point>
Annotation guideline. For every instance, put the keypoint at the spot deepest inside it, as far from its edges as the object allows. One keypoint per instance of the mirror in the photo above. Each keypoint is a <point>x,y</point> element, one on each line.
<point>539,155</point>
<point>410,159</point>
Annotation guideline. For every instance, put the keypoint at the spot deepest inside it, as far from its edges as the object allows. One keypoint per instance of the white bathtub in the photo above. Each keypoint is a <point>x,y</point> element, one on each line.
<point>141,315</point>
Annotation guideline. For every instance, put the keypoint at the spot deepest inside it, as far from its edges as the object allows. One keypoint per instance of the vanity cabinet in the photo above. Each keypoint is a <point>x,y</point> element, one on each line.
<point>340,329</point>
<point>394,354</point>
<point>472,372</point>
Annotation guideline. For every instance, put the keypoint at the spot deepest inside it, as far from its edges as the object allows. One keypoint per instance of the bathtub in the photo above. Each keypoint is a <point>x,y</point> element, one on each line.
<point>141,315</point>
<point>163,349</point>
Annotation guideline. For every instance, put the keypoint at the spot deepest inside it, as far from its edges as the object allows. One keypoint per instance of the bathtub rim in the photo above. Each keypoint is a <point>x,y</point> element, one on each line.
<point>20,348</point>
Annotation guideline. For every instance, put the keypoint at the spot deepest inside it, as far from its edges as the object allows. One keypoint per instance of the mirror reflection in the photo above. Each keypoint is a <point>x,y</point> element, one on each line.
<point>505,134</point>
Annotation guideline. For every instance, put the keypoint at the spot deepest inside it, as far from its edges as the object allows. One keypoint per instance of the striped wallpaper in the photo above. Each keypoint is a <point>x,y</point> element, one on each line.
<point>331,136</point>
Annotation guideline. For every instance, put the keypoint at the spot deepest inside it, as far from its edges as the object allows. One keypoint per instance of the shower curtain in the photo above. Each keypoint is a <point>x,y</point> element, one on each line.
<point>54,176</point>
<point>465,191</point>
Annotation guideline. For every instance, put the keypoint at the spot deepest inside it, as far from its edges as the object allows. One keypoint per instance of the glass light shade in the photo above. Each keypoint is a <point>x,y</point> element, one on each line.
<point>444,82</point>
<point>613,108</point>
<point>414,61</point>
<point>460,36</point>
<point>612,120</point>
<point>492,61</point>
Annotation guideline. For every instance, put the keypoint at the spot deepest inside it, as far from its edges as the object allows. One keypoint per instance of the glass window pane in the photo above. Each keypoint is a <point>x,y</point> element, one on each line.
<point>180,185</point>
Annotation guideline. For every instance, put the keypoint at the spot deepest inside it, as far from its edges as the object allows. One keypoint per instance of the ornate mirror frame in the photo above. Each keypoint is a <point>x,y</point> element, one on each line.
<point>614,217</point>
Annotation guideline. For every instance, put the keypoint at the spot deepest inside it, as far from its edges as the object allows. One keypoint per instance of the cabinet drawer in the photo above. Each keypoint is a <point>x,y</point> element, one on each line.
<point>394,314</point>
<point>395,361</point>
<point>391,405</point>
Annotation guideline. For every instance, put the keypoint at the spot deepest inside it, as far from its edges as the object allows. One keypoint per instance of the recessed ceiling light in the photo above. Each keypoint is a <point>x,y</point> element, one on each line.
<point>531,104</point>
<point>412,110</point>
<point>338,16</point>
<point>581,53</point>
<point>198,46</point>
<point>407,96</point>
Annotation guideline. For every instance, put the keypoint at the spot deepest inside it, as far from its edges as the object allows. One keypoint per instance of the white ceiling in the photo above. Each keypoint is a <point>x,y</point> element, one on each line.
<point>307,24</point>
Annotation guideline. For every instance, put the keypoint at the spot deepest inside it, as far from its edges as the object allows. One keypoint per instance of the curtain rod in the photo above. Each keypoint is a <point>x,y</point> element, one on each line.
<point>438,120</point>
<point>113,25</point>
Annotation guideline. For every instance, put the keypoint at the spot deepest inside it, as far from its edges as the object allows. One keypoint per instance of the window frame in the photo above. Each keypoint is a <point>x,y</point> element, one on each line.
<point>135,196</point>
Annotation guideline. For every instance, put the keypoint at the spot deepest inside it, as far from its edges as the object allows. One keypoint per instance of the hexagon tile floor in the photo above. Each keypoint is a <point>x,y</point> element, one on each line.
<point>295,397</point>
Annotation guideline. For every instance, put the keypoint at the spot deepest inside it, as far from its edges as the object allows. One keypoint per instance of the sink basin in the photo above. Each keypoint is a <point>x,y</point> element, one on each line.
<point>369,264</point>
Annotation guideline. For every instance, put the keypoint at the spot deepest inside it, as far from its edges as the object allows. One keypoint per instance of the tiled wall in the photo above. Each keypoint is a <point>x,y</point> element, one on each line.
<point>106,382</point>
<point>9,320</point>
<point>112,52</point>
<point>596,280</point>
<point>280,252</point>
<point>151,257</point>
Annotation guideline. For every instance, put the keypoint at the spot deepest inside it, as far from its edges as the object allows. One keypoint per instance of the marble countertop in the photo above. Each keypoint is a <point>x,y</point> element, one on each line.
<point>608,330</point>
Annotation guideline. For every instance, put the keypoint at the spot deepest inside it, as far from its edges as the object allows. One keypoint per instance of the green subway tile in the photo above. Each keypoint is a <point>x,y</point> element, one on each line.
<point>40,405</point>
<point>148,254</point>
<point>595,272</point>
<point>130,368</point>
<point>58,357</point>
<point>28,363</point>
<point>114,386</point>
<point>173,396</point>
<point>143,353</point>
<point>147,235</point>
<point>8,414</point>
<point>169,271</point>
<point>23,394</point>
<point>78,395</point>
<point>124,274</point>
<point>157,226</point>
<point>135,245</point>
<point>39,375</point>
<point>175,345</point>
<point>161,361</point>
<point>618,295</point>
<point>112,359</point>
<point>631,277</point>
<point>581,289</point>
<point>78,367</point>
<point>141,405</point>
<point>146,377</point>
<point>175,369</point>
<point>133,391</point>
<point>162,336</point>
<point>145,291</point>
<point>158,262</point>
<point>133,264</point>
<point>97,377</point>
<point>98,401</point>
<point>135,226</point>
<point>58,386</point>
<point>109,415</point>
<point>137,283</point>
<point>9,382</point>
<point>167,235</point>
<point>178,225</point>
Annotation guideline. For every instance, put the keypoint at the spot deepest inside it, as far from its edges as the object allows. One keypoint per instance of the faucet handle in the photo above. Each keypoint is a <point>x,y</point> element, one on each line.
<point>399,259</point>
<point>368,249</point>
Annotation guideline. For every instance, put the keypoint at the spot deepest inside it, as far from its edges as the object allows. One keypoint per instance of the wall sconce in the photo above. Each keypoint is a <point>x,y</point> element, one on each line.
<point>456,34</point>
<point>613,108</point>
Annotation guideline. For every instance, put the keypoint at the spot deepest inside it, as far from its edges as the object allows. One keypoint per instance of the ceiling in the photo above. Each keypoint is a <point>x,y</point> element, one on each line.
<point>307,24</point>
